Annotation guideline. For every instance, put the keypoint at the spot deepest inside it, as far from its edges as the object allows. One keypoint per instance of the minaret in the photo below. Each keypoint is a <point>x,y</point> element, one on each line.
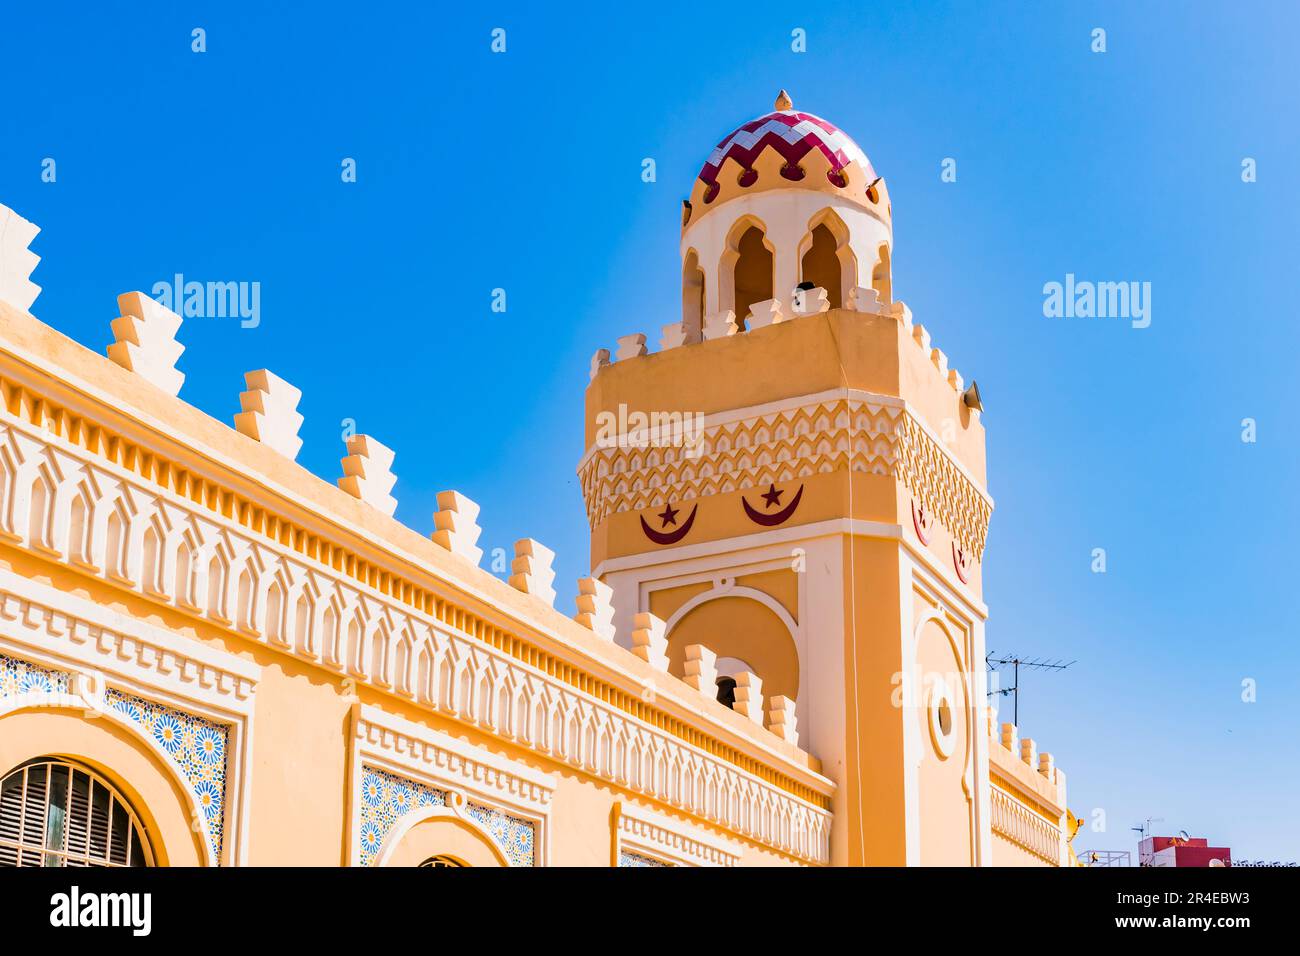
<point>795,481</point>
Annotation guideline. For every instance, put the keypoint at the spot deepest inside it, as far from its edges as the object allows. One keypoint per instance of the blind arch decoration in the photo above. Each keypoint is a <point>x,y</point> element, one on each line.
<point>54,812</point>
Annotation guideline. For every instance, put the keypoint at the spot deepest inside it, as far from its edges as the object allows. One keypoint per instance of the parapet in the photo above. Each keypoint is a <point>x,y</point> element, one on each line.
<point>802,302</point>
<point>1020,759</point>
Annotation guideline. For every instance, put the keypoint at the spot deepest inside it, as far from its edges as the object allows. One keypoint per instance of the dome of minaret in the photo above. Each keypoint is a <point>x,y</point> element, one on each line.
<point>786,149</point>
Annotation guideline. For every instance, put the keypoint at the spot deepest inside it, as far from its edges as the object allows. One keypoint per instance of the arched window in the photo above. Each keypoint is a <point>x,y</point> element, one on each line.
<point>443,860</point>
<point>692,296</point>
<point>57,813</point>
<point>826,259</point>
<point>821,266</point>
<point>752,272</point>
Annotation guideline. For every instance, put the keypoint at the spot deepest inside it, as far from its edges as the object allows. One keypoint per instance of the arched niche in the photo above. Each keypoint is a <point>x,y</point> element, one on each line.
<point>116,752</point>
<point>426,833</point>
<point>747,269</point>
<point>944,729</point>
<point>692,296</point>
<point>743,627</point>
<point>826,258</point>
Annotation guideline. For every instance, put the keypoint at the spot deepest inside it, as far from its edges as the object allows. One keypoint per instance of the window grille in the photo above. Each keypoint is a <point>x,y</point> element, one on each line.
<point>57,813</point>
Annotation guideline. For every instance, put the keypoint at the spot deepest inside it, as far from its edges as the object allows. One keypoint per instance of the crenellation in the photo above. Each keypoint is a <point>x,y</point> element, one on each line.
<point>595,602</point>
<point>765,313</point>
<point>700,669</point>
<point>1009,737</point>
<point>630,346</point>
<point>650,640</point>
<point>270,412</point>
<point>810,301</point>
<point>599,361</point>
<point>144,341</point>
<point>921,336</point>
<point>532,571</point>
<point>456,526</point>
<point>900,311</point>
<point>867,299</point>
<point>672,335</point>
<point>1028,751</point>
<point>781,719</point>
<point>720,325</point>
<point>17,261</point>
<point>749,696</point>
<point>367,473</point>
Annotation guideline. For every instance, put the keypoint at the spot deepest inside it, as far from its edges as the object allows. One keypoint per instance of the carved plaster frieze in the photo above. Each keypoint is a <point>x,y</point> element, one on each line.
<point>787,444</point>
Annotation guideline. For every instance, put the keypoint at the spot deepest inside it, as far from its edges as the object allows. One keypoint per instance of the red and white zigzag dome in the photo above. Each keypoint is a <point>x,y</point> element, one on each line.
<point>786,149</point>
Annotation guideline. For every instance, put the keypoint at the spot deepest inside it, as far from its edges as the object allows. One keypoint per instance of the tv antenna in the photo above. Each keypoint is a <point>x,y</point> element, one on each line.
<point>1144,830</point>
<point>1017,662</point>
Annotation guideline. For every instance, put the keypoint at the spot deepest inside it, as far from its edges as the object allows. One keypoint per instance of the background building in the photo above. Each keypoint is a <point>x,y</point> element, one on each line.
<point>1182,851</point>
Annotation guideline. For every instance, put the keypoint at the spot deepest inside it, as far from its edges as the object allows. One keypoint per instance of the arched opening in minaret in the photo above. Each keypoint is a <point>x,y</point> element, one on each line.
<point>826,260</point>
<point>692,297</point>
<point>747,265</point>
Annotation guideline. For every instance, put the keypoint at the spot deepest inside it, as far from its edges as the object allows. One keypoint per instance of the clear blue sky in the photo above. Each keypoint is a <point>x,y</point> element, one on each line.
<point>523,171</point>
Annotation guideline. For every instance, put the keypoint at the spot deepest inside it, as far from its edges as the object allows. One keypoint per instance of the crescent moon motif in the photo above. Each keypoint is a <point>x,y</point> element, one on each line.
<point>959,565</point>
<point>769,521</point>
<point>921,522</point>
<point>670,537</point>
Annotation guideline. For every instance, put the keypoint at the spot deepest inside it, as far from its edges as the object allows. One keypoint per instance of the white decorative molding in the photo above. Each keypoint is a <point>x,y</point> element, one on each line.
<point>1018,824</point>
<point>69,506</point>
<point>643,831</point>
<point>100,646</point>
<point>91,635</point>
<point>450,763</point>
<point>788,441</point>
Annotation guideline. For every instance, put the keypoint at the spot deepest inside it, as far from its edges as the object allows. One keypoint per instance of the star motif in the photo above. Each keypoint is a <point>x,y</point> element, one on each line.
<point>772,496</point>
<point>668,515</point>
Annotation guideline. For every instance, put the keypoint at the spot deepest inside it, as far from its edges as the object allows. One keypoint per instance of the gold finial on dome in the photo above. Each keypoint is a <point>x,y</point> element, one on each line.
<point>783,101</point>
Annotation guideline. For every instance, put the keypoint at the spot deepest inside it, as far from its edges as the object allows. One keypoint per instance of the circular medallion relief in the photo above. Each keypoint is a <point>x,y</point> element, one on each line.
<point>941,709</point>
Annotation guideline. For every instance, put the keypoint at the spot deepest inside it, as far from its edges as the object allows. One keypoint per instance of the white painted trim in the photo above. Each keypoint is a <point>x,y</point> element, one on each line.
<point>663,558</point>
<point>834,395</point>
<point>722,589</point>
<point>70,633</point>
<point>453,811</point>
<point>643,831</point>
<point>445,763</point>
<point>88,698</point>
<point>632,753</point>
